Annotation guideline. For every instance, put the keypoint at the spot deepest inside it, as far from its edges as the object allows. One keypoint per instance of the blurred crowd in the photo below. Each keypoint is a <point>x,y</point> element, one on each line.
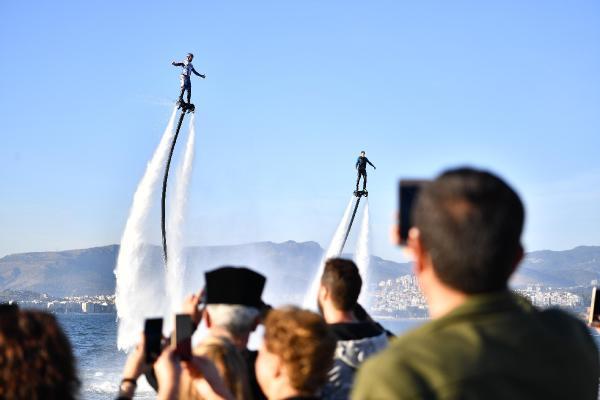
<point>482,340</point>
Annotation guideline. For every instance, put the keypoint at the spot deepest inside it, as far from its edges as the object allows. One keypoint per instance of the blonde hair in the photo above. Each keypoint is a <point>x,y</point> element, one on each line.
<point>230,364</point>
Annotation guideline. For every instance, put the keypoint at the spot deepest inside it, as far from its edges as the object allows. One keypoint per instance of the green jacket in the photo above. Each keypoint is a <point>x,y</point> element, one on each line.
<point>494,346</point>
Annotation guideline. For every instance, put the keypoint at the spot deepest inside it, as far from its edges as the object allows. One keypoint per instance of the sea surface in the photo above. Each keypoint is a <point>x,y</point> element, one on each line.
<point>94,341</point>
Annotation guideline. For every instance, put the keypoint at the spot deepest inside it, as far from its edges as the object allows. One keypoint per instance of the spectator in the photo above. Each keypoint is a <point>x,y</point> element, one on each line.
<point>356,340</point>
<point>201,372</point>
<point>483,342</point>
<point>295,356</point>
<point>230,366</point>
<point>36,360</point>
<point>233,310</point>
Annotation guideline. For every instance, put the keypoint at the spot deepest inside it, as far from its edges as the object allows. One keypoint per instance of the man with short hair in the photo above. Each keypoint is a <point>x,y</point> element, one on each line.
<point>484,342</point>
<point>361,168</point>
<point>234,308</point>
<point>356,340</point>
<point>186,72</point>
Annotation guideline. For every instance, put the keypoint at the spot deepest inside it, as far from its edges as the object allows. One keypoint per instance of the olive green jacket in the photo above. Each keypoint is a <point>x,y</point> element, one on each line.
<point>494,346</point>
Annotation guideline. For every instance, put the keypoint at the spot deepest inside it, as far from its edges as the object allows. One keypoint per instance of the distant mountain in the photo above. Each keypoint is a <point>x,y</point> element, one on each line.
<point>575,267</point>
<point>289,266</point>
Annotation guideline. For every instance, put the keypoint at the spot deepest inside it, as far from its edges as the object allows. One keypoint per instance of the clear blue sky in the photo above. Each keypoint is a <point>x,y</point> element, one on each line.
<point>294,90</point>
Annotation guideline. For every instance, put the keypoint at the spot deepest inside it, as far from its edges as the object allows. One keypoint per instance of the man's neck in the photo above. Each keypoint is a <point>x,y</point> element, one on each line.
<point>335,316</point>
<point>443,300</point>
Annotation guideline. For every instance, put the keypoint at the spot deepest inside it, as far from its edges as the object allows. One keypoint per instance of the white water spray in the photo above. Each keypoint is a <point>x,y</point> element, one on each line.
<point>362,257</point>
<point>334,250</point>
<point>176,224</point>
<point>140,283</point>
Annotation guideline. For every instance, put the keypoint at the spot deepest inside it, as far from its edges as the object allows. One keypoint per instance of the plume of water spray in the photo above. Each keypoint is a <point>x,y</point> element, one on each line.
<point>140,288</point>
<point>176,224</point>
<point>334,250</point>
<point>362,257</point>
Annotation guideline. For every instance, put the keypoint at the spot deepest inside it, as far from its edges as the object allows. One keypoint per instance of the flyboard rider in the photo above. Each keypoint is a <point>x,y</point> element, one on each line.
<point>186,73</point>
<point>361,166</point>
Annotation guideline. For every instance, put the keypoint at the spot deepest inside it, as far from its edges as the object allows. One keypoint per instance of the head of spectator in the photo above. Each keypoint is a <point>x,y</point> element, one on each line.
<point>466,238</point>
<point>296,354</point>
<point>36,360</point>
<point>229,363</point>
<point>233,303</point>
<point>357,338</point>
<point>340,287</point>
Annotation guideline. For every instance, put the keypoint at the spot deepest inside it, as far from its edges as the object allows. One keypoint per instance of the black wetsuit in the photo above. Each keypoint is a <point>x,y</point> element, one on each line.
<point>361,166</point>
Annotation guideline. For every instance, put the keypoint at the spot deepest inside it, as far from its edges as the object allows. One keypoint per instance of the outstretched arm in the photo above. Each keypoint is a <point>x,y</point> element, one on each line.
<point>177,64</point>
<point>371,164</point>
<point>200,75</point>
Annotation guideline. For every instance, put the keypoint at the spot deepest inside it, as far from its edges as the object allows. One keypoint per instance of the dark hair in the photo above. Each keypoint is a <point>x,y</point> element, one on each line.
<point>36,361</point>
<point>470,223</point>
<point>342,279</point>
<point>305,345</point>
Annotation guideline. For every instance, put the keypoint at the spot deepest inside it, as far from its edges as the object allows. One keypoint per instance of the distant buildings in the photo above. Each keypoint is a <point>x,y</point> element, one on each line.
<point>402,298</point>
<point>77,304</point>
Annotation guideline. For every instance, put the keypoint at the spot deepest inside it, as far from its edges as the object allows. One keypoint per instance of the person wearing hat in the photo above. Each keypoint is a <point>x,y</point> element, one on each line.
<point>186,72</point>
<point>234,308</point>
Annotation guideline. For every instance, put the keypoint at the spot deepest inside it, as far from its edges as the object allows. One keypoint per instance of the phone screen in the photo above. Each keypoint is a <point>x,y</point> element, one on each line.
<point>182,337</point>
<point>153,337</point>
<point>408,190</point>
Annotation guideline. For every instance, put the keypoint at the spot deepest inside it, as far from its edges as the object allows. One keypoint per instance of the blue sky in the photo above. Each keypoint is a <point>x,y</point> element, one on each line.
<point>294,90</point>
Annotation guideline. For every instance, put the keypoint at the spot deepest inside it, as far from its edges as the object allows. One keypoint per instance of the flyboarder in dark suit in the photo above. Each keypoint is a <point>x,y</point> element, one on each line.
<point>361,166</point>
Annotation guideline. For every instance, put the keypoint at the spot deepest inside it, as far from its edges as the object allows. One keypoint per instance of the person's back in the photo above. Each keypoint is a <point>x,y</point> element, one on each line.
<point>355,343</point>
<point>495,346</point>
<point>483,342</point>
<point>229,363</point>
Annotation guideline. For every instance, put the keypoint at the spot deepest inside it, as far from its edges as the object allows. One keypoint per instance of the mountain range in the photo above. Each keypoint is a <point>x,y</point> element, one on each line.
<point>290,265</point>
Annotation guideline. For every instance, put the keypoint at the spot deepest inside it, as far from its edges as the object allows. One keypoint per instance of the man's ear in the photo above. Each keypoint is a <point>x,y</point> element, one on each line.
<point>278,368</point>
<point>323,293</point>
<point>416,250</point>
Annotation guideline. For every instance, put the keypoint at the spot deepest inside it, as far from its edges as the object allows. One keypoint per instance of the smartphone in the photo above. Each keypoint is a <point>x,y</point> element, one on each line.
<point>594,316</point>
<point>408,189</point>
<point>153,338</point>
<point>181,339</point>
